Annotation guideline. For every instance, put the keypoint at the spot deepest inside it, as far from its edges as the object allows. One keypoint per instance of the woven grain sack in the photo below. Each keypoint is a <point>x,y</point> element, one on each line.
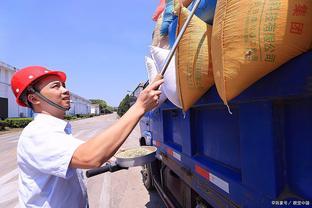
<point>151,73</point>
<point>159,40</point>
<point>193,61</point>
<point>252,38</point>
<point>159,56</point>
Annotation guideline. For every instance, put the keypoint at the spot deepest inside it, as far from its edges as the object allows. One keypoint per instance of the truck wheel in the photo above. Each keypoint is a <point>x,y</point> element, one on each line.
<point>147,178</point>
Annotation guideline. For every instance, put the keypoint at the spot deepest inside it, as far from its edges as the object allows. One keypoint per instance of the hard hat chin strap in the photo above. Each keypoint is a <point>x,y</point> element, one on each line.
<point>31,89</point>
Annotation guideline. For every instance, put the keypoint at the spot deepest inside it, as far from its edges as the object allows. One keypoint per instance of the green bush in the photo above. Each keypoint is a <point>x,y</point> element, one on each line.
<point>17,122</point>
<point>82,116</point>
<point>3,124</point>
<point>70,117</point>
<point>78,116</point>
<point>86,115</point>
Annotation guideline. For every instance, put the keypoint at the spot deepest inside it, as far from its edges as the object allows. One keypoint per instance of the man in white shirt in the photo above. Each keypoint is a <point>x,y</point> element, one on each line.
<point>49,157</point>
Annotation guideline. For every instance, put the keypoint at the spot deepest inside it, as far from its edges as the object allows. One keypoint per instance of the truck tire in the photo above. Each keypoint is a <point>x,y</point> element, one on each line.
<point>147,177</point>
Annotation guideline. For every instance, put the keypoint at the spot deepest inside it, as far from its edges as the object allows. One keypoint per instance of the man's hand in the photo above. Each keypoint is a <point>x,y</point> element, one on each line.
<point>104,145</point>
<point>148,98</point>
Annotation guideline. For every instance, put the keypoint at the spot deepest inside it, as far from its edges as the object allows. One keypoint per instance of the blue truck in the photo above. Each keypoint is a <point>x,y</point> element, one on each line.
<point>260,156</point>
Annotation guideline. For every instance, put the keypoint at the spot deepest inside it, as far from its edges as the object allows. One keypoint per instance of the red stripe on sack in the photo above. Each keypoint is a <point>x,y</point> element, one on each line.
<point>201,171</point>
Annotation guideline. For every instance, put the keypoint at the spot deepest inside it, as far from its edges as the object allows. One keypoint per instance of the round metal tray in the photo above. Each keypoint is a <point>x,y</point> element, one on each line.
<point>137,161</point>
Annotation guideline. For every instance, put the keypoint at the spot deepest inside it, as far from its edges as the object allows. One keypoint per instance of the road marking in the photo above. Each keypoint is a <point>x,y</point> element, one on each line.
<point>8,192</point>
<point>10,135</point>
<point>77,134</point>
<point>9,138</point>
<point>91,133</point>
<point>105,192</point>
<point>8,176</point>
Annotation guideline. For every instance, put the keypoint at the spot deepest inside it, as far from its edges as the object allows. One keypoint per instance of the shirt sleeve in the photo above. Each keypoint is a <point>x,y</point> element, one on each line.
<point>51,152</point>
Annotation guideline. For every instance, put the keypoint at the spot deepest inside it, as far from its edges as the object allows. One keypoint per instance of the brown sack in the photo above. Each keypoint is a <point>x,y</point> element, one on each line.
<point>159,40</point>
<point>193,61</point>
<point>252,38</point>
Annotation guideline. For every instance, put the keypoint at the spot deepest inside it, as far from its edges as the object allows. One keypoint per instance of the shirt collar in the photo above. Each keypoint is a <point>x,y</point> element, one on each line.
<point>53,121</point>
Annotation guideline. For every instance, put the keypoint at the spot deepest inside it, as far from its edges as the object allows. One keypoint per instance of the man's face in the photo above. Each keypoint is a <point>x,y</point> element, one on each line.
<point>54,89</point>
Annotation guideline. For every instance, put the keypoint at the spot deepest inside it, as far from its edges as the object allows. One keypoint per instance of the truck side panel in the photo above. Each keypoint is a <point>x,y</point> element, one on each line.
<point>260,153</point>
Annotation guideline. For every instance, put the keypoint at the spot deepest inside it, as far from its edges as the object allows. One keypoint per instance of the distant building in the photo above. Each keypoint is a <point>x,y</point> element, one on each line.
<point>8,105</point>
<point>78,105</point>
<point>95,109</point>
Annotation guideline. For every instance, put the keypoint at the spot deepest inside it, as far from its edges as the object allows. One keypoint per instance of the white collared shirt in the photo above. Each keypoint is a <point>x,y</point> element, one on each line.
<point>44,152</point>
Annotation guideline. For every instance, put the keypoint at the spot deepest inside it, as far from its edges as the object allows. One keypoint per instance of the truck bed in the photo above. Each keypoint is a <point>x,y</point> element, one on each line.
<point>254,157</point>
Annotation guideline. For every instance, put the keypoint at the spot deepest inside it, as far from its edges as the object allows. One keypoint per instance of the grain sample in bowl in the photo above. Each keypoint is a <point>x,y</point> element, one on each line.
<point>133,153</point>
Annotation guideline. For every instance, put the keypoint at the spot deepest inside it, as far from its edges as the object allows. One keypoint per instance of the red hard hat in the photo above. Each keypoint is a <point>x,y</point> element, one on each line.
<point>25,77</point>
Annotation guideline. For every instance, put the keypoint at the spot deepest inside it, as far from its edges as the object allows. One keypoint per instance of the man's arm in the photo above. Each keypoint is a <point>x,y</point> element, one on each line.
<point>103,146</point>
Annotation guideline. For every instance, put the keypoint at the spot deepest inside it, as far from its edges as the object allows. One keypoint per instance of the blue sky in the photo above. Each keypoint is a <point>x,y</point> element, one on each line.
<point>99,44</point>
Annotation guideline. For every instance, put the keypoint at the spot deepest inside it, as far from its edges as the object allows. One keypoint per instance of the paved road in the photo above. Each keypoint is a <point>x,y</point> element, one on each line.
<point>120,189</point>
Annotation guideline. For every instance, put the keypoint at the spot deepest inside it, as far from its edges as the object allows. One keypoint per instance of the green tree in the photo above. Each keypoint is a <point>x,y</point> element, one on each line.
<point>124,106</point>
<point>110,108</point>
<point>104,108</point>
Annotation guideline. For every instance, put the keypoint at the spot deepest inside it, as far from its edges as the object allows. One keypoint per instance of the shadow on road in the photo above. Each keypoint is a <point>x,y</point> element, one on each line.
<point>155,200</point>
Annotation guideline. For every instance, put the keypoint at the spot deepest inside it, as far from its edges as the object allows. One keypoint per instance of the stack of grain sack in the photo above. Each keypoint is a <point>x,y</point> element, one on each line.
<point>189,74</point>
<point>248,40</point>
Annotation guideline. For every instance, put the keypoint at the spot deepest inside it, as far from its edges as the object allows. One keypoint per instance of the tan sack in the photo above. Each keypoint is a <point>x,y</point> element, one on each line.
<point>159,40</point>
<point>193,61</point>
<point>252,38</point>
